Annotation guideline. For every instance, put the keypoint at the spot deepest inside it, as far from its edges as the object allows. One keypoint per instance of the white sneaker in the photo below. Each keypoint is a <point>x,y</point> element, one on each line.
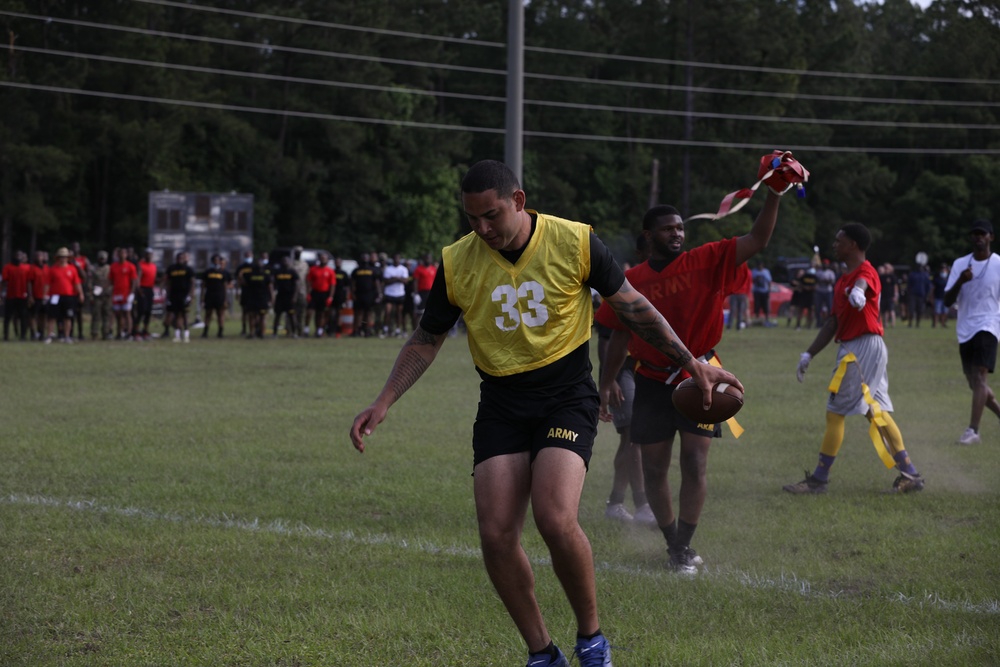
<point>970,437</point>
<point>644,515</point>
<point>187,336</point>
<point>617,512</point>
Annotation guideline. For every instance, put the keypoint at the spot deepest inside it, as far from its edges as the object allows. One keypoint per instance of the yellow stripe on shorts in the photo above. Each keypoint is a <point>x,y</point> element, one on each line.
<point>877,419</point>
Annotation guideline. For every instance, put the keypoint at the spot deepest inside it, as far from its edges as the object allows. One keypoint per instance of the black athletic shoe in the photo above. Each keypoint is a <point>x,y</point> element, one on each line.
<point>683,560</point>
<point>809,485</point>
<point>908,484</point>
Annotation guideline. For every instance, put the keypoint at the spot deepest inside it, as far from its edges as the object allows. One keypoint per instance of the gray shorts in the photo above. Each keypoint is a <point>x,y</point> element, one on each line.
<point>622,415</point>
<point>870,368</point>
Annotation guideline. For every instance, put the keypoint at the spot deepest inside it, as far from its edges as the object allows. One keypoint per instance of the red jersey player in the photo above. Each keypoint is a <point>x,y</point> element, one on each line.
<point>689,288</point>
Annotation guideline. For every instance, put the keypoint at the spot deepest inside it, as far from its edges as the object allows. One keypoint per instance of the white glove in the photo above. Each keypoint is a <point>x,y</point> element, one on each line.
<point>804,360</point>
<point>857,297</point>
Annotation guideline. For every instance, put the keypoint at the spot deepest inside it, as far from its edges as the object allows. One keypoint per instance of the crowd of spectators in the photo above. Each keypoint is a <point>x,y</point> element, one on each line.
<point>906,298</point>
<point>124,294</point>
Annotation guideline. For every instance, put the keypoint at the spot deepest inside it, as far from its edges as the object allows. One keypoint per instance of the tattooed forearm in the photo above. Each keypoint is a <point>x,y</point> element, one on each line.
<point>421,337</point>
<point>416,356</point>
<point>660,335</point>
<point>648,324</point>
<point>409,367</point>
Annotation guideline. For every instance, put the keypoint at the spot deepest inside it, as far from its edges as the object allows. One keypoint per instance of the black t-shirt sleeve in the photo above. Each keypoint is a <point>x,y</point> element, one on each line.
<point>439,314</point>
<point>605,275</point>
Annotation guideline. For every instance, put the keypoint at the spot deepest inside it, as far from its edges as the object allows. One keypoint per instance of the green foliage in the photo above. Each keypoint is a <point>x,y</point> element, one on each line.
<point>936,207</point>
<point>341,152</point>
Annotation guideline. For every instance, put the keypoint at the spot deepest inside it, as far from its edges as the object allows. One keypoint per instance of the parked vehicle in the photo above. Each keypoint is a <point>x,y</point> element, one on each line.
<point>781,299</point>
<point>309,256</point>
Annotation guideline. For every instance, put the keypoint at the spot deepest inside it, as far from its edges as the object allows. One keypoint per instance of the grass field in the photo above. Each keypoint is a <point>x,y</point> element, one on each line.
<point>201,504</point>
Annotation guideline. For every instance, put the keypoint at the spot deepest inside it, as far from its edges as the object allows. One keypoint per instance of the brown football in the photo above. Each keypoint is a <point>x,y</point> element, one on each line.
<point>726,402</point>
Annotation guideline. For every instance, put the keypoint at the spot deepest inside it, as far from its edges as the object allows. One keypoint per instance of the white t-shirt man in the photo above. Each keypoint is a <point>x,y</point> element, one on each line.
<point>395,290</point>
<point>979,299</point>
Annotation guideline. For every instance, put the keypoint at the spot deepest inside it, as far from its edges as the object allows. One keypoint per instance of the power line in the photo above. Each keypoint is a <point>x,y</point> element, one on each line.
<point>489,130</point>
<point>498,72</point>
<point>259,75</point>
<point>762,93</point>
<point>757,68</point>
<point>493,98</point>
<point>253,45</point>
<point>324,24</point>
<point>579,54</point>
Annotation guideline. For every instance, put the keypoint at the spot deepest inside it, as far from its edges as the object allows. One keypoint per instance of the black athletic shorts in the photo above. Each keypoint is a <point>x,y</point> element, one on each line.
<point>654,417</point>
<point>509,421</point>
<point>284,303</point>
<point>215,301</point>
<point>145,300</point>
<point>979,351</point>
<point>394,300</point>
<point>64,308</point>
<point>317,300</point>
<point>177,303</point>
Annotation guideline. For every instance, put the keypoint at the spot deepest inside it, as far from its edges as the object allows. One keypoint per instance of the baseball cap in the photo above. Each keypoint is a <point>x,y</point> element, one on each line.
<point>982,226</point>
<point>62,252</point>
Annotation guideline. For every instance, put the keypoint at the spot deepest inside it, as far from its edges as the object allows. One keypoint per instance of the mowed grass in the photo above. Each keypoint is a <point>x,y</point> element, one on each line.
<point>201,504</point>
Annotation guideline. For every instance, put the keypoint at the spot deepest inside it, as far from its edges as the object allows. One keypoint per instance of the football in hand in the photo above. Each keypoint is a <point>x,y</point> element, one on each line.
<point>726,402</point>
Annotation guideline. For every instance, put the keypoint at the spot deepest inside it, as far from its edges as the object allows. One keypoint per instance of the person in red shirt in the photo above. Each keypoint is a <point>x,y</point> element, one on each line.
<point>423,278</point>
<point>38,299</point>
<point>862,364</point>
<point>739,300</point>
<point>322,280</point>
<point>147,281</point>
<point>65,295</point>
<point>16,278</point>
<point>124,285</point>
<point>690,289</point>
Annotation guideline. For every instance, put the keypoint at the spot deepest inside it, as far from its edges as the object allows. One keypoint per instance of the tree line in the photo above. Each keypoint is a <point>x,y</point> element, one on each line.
<point>351,123</point>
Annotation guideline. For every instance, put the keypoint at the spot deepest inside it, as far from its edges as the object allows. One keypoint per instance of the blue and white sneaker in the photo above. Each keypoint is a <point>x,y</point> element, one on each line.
<point>594,652</point>
<point>545,660</point>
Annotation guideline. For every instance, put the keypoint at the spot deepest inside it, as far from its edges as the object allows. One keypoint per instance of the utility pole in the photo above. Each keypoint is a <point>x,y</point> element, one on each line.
<point>689,110</point>
<point>514,143</point>
<point>654,184</point>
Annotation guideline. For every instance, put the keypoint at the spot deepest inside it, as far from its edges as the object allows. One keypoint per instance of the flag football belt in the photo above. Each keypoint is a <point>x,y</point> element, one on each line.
<point>674,371</point>
<point>779,171</point>
<point>711,359</point>
<point>878,421</point>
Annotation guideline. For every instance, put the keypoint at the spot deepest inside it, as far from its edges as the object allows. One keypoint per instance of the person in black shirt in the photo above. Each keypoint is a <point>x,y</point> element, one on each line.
<point>241,271</point>
<point>286,284</point>
<point>180,290</point>
<point>258,293</point>
<point>364,283</point>
<point>215,281</point>
<point>341,293</point>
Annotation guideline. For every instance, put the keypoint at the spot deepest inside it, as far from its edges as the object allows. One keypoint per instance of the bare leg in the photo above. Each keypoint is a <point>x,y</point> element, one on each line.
<point>982,396</point>
<point>502,489</point>
<point>557,483</point>
<point>694,486</point>
<point>655,468</point>
<point>503,485</point>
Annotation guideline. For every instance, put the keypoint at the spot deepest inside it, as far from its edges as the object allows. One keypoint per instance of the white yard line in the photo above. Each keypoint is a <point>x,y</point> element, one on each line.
<point>786,581</point>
